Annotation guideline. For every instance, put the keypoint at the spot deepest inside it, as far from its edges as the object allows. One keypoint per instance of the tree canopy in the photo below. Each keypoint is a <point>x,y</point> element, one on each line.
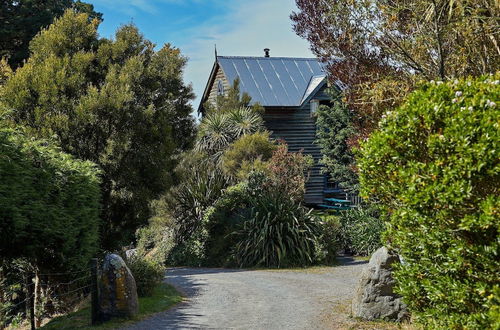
<point>379,48</point>
<point>119,103</point>
<point>22,20</point>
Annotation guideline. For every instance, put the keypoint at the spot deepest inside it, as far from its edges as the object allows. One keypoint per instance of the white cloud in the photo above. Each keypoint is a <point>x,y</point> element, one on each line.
<point>248,28</point>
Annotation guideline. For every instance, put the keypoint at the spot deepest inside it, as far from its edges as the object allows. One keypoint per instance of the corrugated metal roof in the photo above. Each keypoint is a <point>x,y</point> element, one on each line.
<point>274,81</point>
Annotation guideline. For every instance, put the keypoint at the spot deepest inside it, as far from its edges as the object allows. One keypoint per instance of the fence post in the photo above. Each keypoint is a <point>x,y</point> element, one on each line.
<point>94,292</point>
<point>31,299</point>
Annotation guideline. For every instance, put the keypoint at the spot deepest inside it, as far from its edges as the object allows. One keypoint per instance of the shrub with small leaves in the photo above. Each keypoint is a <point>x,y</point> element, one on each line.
<point>361,230</point>
<point>147,274</point>
<point>434,166</point>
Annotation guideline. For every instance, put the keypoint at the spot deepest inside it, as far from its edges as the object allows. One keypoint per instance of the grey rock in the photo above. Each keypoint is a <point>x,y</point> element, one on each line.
<point>375,298</point>
<point>117,289</point>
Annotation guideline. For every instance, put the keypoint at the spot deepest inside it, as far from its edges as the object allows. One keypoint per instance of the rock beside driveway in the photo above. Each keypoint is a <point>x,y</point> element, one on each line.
<point>117,289</point>
<point>375,298</point>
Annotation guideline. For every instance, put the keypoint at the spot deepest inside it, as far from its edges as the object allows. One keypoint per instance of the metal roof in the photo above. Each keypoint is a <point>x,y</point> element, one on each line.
<point>274,81</point>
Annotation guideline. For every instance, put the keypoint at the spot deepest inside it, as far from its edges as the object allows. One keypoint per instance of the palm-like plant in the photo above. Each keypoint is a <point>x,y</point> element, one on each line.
<point>245,121</point>
<point>215,133</point>
<point>219,129</point>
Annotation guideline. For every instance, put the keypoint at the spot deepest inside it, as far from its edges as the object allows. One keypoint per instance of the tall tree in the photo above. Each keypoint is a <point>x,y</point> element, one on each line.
<point>118,103</point>
<point>379,47</point>
<point>333,129</point>
<point>21,20</point>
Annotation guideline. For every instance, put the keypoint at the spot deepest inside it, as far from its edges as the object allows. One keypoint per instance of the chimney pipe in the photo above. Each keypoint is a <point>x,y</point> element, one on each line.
<point>266,52</point>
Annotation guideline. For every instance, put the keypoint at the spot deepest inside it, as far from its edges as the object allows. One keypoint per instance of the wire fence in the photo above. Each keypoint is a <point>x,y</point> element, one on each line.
<point>45,294</point>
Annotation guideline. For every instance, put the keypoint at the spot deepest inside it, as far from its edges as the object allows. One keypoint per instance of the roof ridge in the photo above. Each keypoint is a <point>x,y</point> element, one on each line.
<point>270,58</point>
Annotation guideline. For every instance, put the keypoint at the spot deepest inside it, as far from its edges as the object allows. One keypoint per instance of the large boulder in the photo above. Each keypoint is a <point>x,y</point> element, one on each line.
<point>117,289</point>
<point>375,298</point>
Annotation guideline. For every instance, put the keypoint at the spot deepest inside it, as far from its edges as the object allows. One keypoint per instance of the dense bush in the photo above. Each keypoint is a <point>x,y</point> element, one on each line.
<point>278,233</point>
<point>330,239</point>
<point>147,274</point>
<point>246,154</point>
<point>434,167</point>
<point>154,242</point>
<point>49,204</point>
<point>222,219</point>
<point>361,230</point>
<point>288,173</point>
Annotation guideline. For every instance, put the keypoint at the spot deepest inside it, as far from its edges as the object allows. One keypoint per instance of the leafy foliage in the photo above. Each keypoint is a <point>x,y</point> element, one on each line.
<point>118,103</point>
<point>361,230</point>
<point>201,186</point>
<point>288,173</point>
<point>219,129</point>
<point>330,238</point>
<point>147,274</point>
<point>154,242</point>
<point>434,168</point>
<point>22,20</point>
<point>278,233</point>
<point>380,48</point>
<point>248,153</point>
<point>334,128</point>
<point>49,204</point>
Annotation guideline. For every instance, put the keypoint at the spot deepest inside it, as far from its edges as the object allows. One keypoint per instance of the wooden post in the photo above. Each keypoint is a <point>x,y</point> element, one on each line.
<point>94,292</point>
<point>31,299</point>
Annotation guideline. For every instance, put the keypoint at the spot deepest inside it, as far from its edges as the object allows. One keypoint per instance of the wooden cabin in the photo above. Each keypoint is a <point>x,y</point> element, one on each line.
<point>290,90</point>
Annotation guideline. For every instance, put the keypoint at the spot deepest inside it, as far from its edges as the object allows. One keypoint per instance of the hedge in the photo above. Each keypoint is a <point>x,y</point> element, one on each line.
<point>434,166</point>
<point>49,204</point>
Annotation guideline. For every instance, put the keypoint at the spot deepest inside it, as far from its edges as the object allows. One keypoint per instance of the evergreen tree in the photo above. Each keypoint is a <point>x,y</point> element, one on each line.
<point>334,130</point>
<point>21,20</point>
<point>118,103</point>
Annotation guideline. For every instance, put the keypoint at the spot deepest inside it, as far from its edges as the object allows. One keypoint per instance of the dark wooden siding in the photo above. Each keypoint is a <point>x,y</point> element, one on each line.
<point>219,75</point>
<point>298,129</point>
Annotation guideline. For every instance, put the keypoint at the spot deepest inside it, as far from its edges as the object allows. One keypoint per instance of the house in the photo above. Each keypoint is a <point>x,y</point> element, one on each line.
<point>290,90</point>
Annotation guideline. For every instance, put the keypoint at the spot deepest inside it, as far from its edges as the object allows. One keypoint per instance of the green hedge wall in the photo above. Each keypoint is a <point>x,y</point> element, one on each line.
<point>49,204</point>
<point>434,166</point>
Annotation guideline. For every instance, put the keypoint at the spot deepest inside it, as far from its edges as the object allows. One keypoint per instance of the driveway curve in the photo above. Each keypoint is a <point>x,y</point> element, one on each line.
<point>313,298</point>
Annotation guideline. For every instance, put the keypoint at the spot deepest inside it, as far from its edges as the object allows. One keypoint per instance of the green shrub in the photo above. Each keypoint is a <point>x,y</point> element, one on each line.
<point>330,239</point>
<point>147,274</point>
<point>361,230</point>
<point>49,204</point>
<point>434,167</point>
<point>155,242</point>
<point>247,153</point>
<point>191,251</point>
<point>278,233</point>
<point>223,218</point>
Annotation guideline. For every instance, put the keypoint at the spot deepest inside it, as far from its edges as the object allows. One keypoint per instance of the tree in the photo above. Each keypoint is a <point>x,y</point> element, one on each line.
<point>334,128</point>
<point>379,48</point>
<point>22,20</point>
<point>433,167</point>
<point>118,103</point>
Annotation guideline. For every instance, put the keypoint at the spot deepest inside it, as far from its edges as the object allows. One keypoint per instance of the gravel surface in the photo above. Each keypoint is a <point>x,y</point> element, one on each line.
<point>313,298</point>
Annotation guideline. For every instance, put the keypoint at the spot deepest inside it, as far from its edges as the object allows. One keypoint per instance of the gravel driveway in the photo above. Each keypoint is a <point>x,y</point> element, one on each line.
<point>314,298</point>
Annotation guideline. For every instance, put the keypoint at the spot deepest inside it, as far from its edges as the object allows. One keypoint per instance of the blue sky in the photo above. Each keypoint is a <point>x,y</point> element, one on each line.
<point>237,27</point>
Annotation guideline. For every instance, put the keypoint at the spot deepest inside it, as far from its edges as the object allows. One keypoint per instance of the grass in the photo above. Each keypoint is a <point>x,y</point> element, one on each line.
<point>164,297</point>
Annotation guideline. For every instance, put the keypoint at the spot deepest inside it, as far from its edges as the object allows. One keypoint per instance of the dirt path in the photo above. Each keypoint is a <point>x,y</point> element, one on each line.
<point>314,298</point>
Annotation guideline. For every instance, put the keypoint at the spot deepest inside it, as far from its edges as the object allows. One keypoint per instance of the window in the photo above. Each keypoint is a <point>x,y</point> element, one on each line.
<point>314,106</point>
<point>220,88</point>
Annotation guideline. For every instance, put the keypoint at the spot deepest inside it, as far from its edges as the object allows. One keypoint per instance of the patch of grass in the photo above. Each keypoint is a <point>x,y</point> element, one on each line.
<point>164,296</point>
